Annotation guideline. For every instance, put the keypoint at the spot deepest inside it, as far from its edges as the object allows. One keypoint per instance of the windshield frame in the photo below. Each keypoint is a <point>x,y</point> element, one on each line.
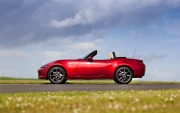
<point>93,53</point>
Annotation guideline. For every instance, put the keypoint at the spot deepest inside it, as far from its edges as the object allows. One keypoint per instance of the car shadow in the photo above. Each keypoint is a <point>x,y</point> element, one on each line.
<point>64,83</point>
<point>85,83</point>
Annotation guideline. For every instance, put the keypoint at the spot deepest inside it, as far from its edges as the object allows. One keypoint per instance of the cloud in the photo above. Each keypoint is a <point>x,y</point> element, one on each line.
<point>68,22</point>
<point>55,41</point>
<point>8,72</point>
<point>13,53</point>
<point>156,72</point>
<point>25,22</point>
<point>151,57</point>
<point>173,40</point>
<point>67,48</point>
<point>53,54</point>
<point>85,46</point>
<point>70,48</point>
<point>133,32</point>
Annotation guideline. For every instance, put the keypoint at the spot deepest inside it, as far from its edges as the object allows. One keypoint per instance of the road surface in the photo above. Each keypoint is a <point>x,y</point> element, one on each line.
<point>15,88</point>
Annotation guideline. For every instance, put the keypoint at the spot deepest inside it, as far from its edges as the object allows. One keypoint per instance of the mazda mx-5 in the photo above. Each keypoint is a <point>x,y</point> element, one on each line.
<point>120,69</point>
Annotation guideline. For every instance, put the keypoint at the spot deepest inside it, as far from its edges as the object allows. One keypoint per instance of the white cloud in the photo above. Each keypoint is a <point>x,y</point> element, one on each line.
<point>53,54</point>
<point>8,72</point>
<point>13,53</point>
<point>80,18</point>
<point>156,72</point>
<point>173,40</point>
<point>88,15</point>
<point>85,46</point>
<point>106,10</point>
<point>63,1</point>
<point>123,54</point>
<point>133,32</point>
<point>54,41</point>
<point>28,37</point>
<point>152,57</point>
<point>71,48</point>
<point>67,22</point>
<point>154,26</point>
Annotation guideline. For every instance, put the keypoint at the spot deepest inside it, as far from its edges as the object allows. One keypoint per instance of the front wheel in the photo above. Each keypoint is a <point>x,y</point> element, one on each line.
<point>57,75</point>
<point>123,75</point>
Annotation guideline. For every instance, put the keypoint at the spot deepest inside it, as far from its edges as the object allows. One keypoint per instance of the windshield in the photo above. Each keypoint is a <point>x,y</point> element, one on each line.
<point>90,54</point>
<point>86,56</point>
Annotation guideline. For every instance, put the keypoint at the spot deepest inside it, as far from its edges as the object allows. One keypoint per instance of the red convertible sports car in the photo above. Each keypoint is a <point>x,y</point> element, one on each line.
<point>120,69</point>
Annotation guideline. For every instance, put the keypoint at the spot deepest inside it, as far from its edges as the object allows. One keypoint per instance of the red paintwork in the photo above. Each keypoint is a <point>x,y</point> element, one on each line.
<point>97,69</point>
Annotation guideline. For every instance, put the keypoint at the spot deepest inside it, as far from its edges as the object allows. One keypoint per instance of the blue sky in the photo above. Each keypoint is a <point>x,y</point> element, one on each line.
<point>34,32</point>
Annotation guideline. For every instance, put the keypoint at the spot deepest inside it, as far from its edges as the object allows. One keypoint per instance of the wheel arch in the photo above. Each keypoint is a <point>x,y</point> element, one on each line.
<point>53,67</point>
<point>124,66</point>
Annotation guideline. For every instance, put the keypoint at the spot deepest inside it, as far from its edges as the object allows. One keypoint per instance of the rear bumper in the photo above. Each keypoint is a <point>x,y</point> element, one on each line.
<point>140,71</point>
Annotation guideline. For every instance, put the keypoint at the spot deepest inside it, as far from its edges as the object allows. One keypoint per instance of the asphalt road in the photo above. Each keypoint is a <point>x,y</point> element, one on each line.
<point>15,88</point>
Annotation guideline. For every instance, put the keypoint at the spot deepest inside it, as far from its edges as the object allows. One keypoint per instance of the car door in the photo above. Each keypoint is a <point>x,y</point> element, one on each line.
<point>93,69</point>
<point>71,67</point>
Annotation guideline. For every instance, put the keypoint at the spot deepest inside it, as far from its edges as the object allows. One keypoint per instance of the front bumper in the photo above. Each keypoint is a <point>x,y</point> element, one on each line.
<point>42,73</point>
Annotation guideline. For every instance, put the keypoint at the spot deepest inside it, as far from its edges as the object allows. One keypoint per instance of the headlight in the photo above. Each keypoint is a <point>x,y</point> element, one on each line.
<point>44,66</point>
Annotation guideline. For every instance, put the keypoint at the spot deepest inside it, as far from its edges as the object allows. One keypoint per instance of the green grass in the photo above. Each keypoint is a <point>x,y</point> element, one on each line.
<point>137,101</point>
<point>9,80</point>
<point>151,101</point>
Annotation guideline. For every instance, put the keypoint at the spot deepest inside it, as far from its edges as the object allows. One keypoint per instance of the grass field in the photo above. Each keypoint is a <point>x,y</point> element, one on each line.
<point>151,101</point>
<point>9,80</point>
<point>137,101</point>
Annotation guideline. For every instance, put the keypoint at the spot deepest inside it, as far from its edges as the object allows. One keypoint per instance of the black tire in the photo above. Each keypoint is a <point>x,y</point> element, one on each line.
<point>123,75</point>
<point>57,75</point>
<point>64,81</point>
<point>116,81</point>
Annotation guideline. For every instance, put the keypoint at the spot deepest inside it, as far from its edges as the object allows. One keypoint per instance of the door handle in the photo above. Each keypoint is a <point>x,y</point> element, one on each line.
<point>107,62</point>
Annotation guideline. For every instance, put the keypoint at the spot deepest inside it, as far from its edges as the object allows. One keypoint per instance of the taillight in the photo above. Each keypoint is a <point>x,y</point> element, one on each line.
<point>141,62</point>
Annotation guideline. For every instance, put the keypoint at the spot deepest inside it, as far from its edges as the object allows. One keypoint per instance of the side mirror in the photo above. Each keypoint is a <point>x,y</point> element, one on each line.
<point>90,59</point>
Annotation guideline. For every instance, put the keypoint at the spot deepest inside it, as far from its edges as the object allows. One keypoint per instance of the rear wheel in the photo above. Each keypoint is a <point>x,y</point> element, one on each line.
<point>123,75</point>
<point>57,75</point>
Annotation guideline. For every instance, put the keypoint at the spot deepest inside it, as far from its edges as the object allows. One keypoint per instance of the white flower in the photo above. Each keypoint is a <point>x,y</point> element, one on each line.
<point>19,99</point>
<point>17,105</point>
<point>110,106</point>
<point>10,98</point>
<point>133,109</point>
<point>171,99</point>
<point>164,105</point>
<point>136,99</point>
<point>41,107</point>
<point>116,106</point>
<point>89,107</point>
<point>111,98</point>
<point>145,107</point>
